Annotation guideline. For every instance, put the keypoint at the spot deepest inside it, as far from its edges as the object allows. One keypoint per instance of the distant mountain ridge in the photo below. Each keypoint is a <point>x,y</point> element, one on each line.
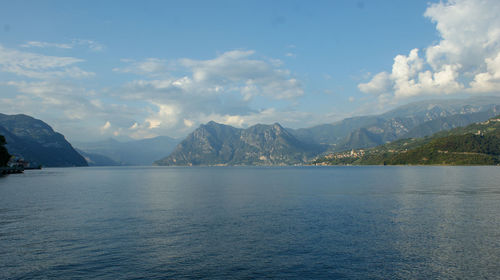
<point>219,144</point>
<point>475,144</point>
<point>416,119</point>
<point>135,152</point>
<point>97,159</point>
<point>37,142</point>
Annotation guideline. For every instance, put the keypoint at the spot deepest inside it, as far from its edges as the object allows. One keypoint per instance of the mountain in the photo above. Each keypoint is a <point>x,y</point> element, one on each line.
<point>450,122</point>
<point>475,144</point>
<point>137,152</point>
<point>416,119</point>
<point>218,144</point>
<point>37,142</point>
<point>97,159</point>
<point>331,134</point>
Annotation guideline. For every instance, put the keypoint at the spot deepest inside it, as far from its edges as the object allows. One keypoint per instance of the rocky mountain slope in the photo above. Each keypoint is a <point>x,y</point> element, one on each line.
<point>218,144</point>
<point>37,142</point>
<point>416,119</point>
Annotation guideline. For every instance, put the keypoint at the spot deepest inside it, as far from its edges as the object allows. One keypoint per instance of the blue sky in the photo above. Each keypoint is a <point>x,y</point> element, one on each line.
<point>136,69</point>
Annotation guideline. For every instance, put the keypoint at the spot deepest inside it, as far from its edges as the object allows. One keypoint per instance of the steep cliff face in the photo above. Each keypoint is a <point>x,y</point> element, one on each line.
<point>37,142</point>
<point>218,144</point>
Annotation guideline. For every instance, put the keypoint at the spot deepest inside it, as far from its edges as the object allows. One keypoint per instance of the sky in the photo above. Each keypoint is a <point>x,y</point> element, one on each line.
<point>140,69</point>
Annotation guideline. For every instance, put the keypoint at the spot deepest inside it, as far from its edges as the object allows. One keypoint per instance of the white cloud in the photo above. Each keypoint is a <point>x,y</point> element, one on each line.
<point>380,83</point>
<point>38,44</point>
<point>464,60</point>
<point>171,99</point>
<point>39,66</point>
<point>71,109</point>
<point>166,116</point>
<point>188,123</point>
<point>92,45</point>
<point>488,81</point>
<point>149,66</point>
<point>236,70</point>
<point>219,89</point>
<point>134,126</point>
<point>105,127</point>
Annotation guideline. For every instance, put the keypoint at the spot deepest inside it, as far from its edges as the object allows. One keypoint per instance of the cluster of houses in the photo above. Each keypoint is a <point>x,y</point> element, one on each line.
<point>491,120</point>
<point>20,162</point>
<point>351,154</point>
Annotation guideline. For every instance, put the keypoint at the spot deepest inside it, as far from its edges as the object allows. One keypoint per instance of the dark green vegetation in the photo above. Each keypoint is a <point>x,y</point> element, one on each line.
<point>137,152</point>
<point>37,142</point>
<point>4,154</point>
<point>218,144</point>
<point>476,144</point>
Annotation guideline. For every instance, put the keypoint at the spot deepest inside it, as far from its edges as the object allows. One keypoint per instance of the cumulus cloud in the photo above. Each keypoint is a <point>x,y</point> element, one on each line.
<point>167,98</point>
<point>238,71</point>
<point>465,59</point>
<point>231,72</point>
<point>219,89</point>
<point>288,118</point>
<point>380,83</point>
<point>39,66</point>
<point>74,110</point>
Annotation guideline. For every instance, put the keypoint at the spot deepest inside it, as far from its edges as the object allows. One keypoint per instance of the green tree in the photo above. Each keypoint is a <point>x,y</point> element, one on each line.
<point>4,154</point>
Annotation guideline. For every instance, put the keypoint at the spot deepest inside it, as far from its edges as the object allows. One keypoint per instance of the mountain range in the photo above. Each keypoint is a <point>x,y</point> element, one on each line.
<point>218,144</point>
<point>416,119</point>
<point>475,144</point>
<point>37,142</point>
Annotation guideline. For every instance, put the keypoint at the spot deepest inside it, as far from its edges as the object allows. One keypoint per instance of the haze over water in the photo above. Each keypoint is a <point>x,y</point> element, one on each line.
<point>174,223</point>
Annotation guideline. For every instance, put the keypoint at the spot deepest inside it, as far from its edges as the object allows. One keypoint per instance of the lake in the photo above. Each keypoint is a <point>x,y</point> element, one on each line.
<point>251,222</point>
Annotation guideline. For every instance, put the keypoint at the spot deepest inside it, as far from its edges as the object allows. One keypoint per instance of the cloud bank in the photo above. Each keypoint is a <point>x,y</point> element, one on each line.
<point>165,98</point>
<point>466,59</point>
<point>219,89</point>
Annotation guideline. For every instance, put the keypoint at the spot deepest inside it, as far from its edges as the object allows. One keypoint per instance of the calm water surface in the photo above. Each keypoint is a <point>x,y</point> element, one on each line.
<point>286,223</point>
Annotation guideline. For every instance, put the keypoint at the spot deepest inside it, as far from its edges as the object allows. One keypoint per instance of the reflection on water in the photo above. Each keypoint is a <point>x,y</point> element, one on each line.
<point>334,222</point>
<point>448,221</point>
